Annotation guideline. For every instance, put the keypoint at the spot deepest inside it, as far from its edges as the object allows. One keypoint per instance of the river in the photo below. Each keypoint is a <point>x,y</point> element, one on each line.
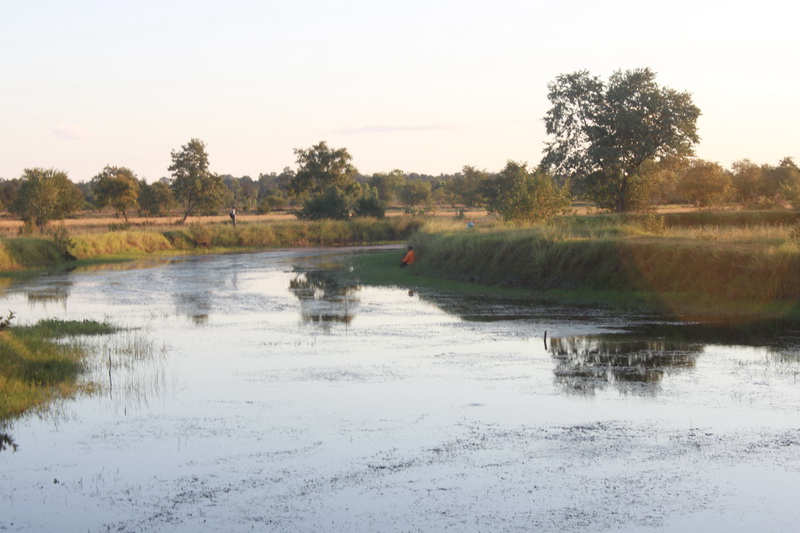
<point>267,392</point>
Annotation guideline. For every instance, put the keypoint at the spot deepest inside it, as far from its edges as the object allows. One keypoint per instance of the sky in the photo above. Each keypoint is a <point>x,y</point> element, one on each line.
<point>424,86</point>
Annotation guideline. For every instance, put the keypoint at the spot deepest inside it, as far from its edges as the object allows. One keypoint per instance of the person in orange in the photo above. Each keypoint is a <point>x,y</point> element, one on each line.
<point>409,258</point>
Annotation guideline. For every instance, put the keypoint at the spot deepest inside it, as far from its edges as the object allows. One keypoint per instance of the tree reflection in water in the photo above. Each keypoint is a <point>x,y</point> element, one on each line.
<point>325,296</point>
<point>587,364</point>
<point>7,442</point>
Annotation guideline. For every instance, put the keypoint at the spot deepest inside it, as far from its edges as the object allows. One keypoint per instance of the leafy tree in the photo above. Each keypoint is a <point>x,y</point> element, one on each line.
<point>369,203</point>
<point>330,203</point>
<point>788,174</point>
<point>705,184</point>
<point>192,183</point>
<point>785,174</point>
<point>8,192</point>
<point>45,195</point>
<point>605,132</point>
<point>320,168</point>
<point>468,187</point>
<point>416,192</point>
<point>117,187</point>
<point>388,185</point>
<point>155,200</point>
<point>747,179</point>
<point>519,195</point>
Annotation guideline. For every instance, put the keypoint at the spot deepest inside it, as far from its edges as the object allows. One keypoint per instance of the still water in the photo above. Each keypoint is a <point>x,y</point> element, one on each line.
<point>267,392</point>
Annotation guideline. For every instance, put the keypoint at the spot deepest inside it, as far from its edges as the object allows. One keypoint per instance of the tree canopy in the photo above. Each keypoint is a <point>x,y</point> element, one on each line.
<point>519,195</point>
<point>603,133</point>
<point>192,183</point>
<point>117,187</point>
<point>321,167</point>
<point>45,195</point>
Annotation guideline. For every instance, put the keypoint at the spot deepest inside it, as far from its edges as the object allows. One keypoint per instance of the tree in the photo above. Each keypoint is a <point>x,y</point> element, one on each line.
<point>416,192</point>
<point>155,200</point>
<point>117,187</point>
<point>519,195</point>
<point>705,184</point>
<point>192,183</point>
<point>45,195</point>
<point>330,203</point>
<point>369,203</point>
<point>321,167</point>
<point>605,132</point>
<point>388,185</point>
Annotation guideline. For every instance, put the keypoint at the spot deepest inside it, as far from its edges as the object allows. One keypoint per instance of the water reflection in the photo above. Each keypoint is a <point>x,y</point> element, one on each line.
<point>6,442</point>
<point>586,364</point>
<point>325,296</point>
<point>50,291</point>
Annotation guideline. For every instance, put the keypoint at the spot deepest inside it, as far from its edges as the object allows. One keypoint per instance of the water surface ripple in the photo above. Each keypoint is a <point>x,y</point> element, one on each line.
<point>267,392</point>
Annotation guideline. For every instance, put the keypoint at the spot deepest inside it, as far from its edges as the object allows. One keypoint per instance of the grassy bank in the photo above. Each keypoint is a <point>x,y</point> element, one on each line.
<point>689,270</point>
<point>35,369</point>
<point>42,251</point>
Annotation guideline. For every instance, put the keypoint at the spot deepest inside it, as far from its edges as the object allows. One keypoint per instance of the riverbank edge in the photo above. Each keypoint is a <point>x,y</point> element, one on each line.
<point>37,367</point>
<point>454,271</point>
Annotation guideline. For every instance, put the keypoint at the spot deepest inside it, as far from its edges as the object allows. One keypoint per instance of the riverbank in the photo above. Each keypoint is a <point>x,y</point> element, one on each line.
<point>35,368</point>
<point>723,266</point>
<point>688,267</point>
<point>62,247</point>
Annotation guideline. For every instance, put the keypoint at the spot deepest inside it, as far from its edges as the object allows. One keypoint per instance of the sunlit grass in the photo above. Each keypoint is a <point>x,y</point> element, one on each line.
<point>35,370</point>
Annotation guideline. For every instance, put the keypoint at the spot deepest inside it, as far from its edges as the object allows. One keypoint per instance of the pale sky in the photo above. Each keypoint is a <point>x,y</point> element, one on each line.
<point>424,86</point>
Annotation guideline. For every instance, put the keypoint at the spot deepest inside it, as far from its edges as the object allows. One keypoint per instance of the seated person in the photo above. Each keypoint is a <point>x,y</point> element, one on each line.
<point>409,258</point>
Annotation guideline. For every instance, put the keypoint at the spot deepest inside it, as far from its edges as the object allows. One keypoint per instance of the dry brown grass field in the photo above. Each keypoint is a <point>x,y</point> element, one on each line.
<point>91,222</point>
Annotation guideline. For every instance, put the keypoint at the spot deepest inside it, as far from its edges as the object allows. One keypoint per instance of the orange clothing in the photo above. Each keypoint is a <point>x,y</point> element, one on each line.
<point>410,257</point>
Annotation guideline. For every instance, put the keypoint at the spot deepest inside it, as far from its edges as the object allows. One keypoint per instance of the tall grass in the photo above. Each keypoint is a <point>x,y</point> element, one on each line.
<point>16,253</point>
<point>749,269</point>
<point>34,369</point>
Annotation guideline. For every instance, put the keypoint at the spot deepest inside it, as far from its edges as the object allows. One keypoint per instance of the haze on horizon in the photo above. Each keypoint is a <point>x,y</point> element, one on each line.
<point>426,87</point>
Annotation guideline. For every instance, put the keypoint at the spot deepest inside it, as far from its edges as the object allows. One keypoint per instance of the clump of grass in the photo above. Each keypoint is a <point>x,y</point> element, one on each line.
<point>90,245</point>
<point>34,369</point>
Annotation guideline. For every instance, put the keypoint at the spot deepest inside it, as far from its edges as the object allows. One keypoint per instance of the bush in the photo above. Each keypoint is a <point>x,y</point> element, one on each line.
<point>332,203</point>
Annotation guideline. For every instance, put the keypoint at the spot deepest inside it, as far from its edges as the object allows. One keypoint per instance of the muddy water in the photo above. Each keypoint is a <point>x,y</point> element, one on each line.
<point>263,392</point>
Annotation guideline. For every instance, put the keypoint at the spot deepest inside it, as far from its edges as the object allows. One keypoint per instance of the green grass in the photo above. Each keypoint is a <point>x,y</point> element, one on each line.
<point>695,272</point>
<point>35,370</point>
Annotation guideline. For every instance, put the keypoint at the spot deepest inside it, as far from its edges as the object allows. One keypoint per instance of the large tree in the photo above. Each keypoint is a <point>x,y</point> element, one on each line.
<point>321,167</point>
<point>605,133</point>
<point>192,183</point>
<point>45,195</point>
<point>117,187</point>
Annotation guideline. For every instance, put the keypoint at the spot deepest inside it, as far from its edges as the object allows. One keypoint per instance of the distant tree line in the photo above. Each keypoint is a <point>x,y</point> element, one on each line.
<point>625,144</point>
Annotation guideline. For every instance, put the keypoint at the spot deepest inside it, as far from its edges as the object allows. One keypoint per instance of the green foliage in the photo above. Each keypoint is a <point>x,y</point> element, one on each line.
<point>45,195</point>
<point>155,200</point>
<point>202,235</point>
<point>605,133</point>
<point>193,185</point>
<point>331,203</point>
<point>369,204</point>
<point>34,370</point>
<point>31,252</point>
<point>416,193</point>
<point>117,187</point>
<point>63,241</point>
<point>388,185</point>
<point>705,184</point>
<point>518,195</point>
<point>320,168</point>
